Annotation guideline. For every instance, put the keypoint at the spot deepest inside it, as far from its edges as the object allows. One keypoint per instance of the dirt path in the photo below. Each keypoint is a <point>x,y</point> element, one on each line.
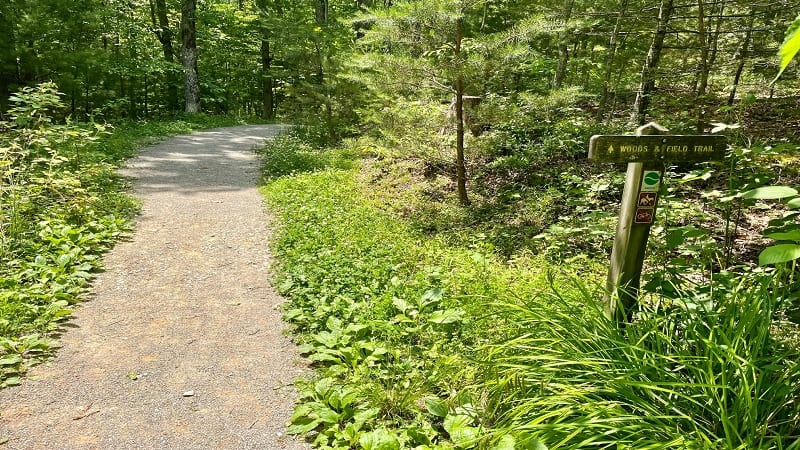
<point>181,347</point>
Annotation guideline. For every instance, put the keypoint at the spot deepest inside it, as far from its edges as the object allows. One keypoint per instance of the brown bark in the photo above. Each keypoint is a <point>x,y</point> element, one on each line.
<point>158,15</point>
<point>189,55</point>
<point>648,83</point>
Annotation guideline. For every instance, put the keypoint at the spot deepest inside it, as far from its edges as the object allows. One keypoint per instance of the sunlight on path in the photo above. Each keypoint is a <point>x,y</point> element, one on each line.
<point>181,347</point>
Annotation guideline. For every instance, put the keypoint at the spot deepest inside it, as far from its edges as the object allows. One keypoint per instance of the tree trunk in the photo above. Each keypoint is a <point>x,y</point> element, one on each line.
<point>563,50</point>
<point>321,16</point>
<point>321,11</point>
<point>612,53</point>
<point>158,15</point>
<point>743,54</point>
<point>268,94</point>
<point>648,83</point>
<point>8,62</point>
<point>189,56</point>
<point>461,169</point>
<point>703,67</point>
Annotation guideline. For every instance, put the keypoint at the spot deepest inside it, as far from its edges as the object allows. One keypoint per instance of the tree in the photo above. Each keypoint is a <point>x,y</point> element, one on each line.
<point>162,30</point>
<point>648,78</point>
<point>189,55</point>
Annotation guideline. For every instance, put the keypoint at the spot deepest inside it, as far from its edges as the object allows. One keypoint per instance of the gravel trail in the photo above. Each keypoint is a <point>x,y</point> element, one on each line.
<point>181,344</point>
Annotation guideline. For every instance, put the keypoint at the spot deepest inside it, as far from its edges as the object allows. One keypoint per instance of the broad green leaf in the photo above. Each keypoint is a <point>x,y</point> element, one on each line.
<point>770,193</point>
<point>793,235</point>
<point>326,415</point>
<point>794,203</point>
<point>401,304</point>
<point>447,316</point>
<point>12,381</point>
<point>379,439</point>
<point>790,46</point>
<point>304,427</point>
<point>363,416</point>
<point>780,253</point>
<point>430,296</point>
<point>436,406</point>
<point>10,360</point>
<point>460,429</point>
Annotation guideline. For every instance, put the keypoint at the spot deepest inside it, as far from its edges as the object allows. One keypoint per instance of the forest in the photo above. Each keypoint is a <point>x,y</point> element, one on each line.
<point>443,239</point>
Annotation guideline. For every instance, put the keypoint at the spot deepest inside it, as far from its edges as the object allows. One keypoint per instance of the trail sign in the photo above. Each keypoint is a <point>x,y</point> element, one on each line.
<point>645,154</point>
<point>653,148</point>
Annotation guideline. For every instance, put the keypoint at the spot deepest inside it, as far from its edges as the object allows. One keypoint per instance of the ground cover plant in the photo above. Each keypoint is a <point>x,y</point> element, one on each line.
<point>434,337</point>
<point>61,207</point>
<point>390,317</point>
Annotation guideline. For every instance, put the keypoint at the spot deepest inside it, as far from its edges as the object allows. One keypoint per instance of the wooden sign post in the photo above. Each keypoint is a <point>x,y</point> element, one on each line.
<point>646,152</point>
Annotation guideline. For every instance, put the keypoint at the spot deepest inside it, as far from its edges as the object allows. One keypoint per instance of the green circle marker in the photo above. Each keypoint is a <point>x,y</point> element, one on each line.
<point>651,178</point>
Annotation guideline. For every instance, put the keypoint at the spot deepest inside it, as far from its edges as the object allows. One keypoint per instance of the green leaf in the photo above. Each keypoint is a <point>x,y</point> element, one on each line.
<point>779,254</point>
<point>447,316</point>
<point>430,296</point>
<point>790,46</point>
<point>12,381</point>
<point>326,415</point>
<point>793,235</point>
<point>436,406</point>
<point>770,193</point>
<point>10,360</point>
<point>379,439</point>
<point>458,426</point>
<point>794,203</point>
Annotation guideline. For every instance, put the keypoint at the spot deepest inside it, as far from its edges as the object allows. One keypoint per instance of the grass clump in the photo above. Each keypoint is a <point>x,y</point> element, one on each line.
<point>697,375</point>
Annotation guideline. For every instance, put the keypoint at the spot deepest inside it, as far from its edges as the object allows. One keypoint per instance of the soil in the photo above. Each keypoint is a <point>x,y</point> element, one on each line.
<point>181,345</point>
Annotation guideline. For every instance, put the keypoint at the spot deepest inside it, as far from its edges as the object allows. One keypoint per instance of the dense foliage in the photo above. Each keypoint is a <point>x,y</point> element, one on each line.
<point>437,208</point>
<point>420,342</point>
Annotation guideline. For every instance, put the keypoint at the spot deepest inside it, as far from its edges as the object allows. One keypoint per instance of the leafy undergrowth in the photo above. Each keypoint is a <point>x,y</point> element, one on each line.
<point>427,342</point>
<point>389,317</point>
<point>61,207</point>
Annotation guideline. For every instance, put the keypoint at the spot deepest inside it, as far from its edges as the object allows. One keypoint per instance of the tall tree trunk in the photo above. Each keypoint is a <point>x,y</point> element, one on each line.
<point>321,15</point>
<point>703,67</point>
<point>713,38</point>
<point>461,169</point>
<point>158,15</point>
<point>321,11</point>
<point>743,54</point>
<point>268,94</point>
<point>563,50</point>
<point>648,82</point>
<point>189,55</point>
<point>612,53</point>
<point>8,62</point>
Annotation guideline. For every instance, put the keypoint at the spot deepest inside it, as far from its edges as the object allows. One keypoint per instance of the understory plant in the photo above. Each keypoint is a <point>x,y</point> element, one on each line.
<point>690,374</point>
<point>388,317</point>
